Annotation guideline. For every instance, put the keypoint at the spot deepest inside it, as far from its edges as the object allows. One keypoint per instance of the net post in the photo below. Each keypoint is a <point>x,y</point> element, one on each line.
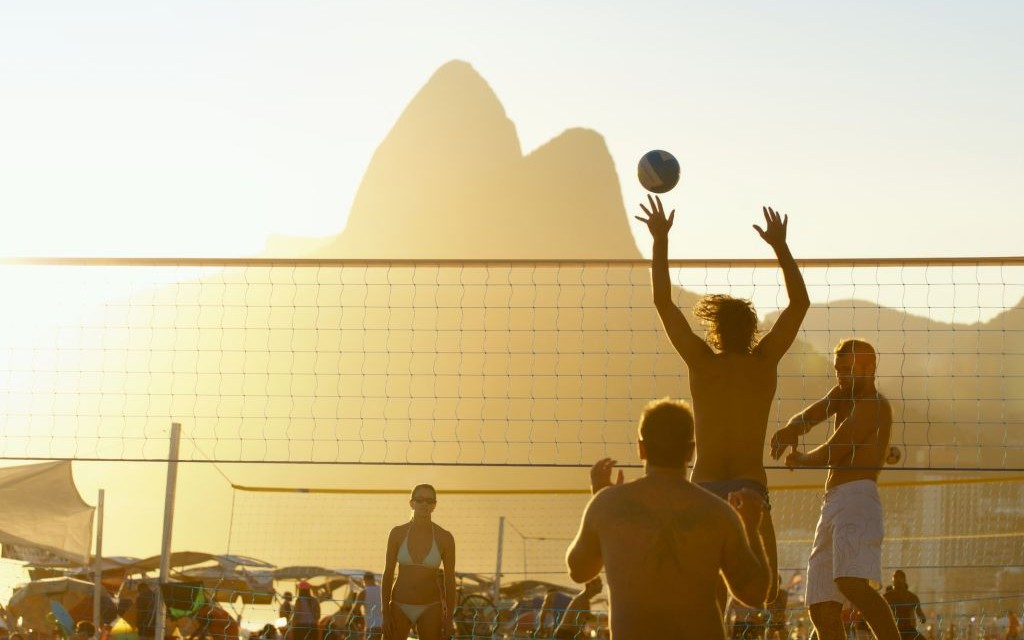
<point>97,565</point>
<point>497,568</point>
<point>165,543</point>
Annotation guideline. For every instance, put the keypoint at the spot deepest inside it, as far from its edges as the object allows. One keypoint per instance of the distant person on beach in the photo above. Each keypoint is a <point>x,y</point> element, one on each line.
<point>552,608</point>
<point>1012,626</point>
<point>267,632</point>
<point>416,598</point>
<point>905,605</point>
<point>663,541</point>
<point>777,618</point>
<point>145,611</point>
<point>846,557</point>
<point>305,616</point>
<point>577,613</point>
<point>84,630</point>
<point>285,611</point>
<point>733,375</point>
<point>367,606</point>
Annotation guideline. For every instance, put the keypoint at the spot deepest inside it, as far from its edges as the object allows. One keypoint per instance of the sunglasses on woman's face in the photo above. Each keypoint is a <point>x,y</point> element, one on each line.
<point>424,500</point>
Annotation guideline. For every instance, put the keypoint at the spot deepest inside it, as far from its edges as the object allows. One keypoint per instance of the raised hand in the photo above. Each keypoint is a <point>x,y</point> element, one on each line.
<point>775,224</point>
<point>781,440</point>
<point>794,459</point>
<point>656,221</point>
<point>750,507</point>
<point>601,474</point>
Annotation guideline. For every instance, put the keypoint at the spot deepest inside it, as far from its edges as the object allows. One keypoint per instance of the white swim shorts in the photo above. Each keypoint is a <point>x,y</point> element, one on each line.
<point>847,541</point>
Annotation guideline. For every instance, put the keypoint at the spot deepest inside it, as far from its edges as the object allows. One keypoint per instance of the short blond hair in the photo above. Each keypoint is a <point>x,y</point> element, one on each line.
<point>666,429</point>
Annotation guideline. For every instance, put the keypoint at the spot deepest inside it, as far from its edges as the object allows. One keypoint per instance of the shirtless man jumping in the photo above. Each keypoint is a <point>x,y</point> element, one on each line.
<point>733,376</point>
<point>663,542</point>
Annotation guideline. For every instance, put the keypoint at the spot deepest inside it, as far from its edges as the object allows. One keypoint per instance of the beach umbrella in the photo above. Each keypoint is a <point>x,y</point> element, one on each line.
<point>31,601</point>
<point>225,584</point>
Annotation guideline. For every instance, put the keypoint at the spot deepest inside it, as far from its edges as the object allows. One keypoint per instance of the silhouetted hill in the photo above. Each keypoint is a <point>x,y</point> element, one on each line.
<point>450,181</point>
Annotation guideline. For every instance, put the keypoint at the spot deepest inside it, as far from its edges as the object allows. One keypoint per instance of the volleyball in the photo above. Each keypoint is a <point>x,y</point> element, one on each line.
<point>658,171</point>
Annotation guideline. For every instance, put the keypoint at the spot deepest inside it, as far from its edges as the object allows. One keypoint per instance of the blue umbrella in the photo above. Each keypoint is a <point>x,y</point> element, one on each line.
<point>62,616</point>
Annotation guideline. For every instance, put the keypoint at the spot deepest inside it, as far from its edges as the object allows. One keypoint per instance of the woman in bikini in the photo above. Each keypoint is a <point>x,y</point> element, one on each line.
<point>417,598</point>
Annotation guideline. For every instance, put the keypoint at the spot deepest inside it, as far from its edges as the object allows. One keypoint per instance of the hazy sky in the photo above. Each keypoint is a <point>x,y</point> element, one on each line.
<point>198,128</point>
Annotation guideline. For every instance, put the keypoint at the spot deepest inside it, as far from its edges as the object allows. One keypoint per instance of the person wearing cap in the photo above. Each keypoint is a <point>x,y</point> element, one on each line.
<point>286,608</point>
<point>305,615</point>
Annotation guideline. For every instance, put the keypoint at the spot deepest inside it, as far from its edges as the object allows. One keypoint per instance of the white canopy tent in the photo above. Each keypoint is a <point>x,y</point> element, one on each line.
<point>43,509</point>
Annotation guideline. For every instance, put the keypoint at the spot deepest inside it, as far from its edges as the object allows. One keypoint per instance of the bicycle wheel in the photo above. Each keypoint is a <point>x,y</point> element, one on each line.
<point>476,617</point>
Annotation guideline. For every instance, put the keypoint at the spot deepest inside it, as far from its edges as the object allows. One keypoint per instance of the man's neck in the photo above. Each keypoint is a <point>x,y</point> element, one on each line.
<point>862,390</point>
<point>665,473</point>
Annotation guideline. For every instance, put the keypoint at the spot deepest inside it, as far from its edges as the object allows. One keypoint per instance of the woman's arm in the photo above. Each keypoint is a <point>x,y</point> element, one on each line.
<point>387,581</point>
<point>448,559</point>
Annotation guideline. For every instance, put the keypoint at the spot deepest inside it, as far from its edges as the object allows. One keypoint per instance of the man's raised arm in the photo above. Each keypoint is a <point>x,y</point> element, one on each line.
<point>781,336</point>
<point>685,341</point>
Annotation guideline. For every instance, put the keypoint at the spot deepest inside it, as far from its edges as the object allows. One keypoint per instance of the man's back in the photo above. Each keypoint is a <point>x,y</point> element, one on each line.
<point>663,545</point>
<point>904,604</point>
<point>732,396</point>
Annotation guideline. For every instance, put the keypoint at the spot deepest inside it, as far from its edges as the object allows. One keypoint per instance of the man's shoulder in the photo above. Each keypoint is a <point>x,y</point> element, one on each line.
<point>684,495</point>
<point>876,404</point>
<point>876,398</point>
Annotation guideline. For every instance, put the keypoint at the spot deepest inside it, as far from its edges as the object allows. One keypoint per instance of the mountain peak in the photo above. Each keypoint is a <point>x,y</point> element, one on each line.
<point>450,181</point>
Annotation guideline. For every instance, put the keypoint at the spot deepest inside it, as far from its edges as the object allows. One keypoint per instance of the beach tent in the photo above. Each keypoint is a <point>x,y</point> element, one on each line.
<point>42,509</point>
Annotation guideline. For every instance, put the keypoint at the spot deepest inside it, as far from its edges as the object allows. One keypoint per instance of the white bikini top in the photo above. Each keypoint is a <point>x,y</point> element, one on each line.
<point>432,560</point>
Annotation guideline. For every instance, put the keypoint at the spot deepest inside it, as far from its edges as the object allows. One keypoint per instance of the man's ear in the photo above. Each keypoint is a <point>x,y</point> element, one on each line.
<point>641,449</point>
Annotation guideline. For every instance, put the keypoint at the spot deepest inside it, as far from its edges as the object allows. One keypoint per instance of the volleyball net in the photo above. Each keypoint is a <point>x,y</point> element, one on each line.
<point>471,363</point>
<point>955,537</point>
<point>960,541</point>
<point>503,381</point>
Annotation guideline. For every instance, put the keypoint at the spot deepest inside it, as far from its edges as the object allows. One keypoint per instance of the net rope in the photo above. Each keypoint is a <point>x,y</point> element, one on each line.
<point>959,539</point>
<point>471,363</point>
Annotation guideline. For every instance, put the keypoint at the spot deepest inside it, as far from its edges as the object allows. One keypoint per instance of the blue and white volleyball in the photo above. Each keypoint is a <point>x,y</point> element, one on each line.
<point>658,171</point>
